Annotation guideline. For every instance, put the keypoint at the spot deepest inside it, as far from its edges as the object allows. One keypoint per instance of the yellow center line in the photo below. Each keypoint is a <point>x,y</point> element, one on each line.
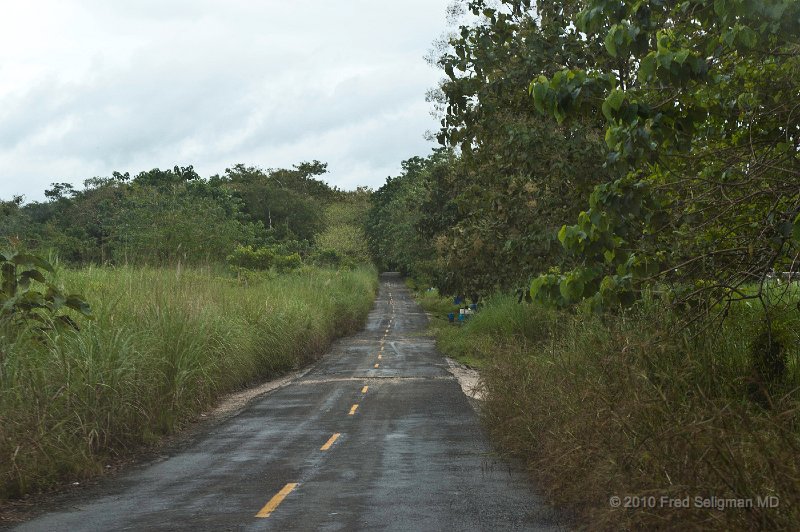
<point>273,503</point>
<point>353,410</point>
<point>330,442</point>
<point>364,389</point>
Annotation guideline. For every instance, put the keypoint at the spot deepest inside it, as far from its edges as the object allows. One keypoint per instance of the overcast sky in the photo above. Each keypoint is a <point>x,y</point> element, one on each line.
<point>92,86</point>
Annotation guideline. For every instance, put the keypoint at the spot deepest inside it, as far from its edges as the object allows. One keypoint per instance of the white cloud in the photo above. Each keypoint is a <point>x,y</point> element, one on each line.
<point>89,87</point>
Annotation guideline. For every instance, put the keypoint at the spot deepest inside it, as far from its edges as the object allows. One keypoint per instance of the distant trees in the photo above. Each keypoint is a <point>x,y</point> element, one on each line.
<point>344,233</point>
<point>167,216</point>
<point>289,203</point>
<point>407,214</point>
<point>492,210</point>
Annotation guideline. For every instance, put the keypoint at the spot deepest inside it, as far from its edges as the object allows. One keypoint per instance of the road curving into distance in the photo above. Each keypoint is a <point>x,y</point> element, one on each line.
<point>376,436</point>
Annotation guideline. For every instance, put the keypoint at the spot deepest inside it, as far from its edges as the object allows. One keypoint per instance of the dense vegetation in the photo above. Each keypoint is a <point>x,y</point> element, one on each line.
<point>165,217</point>
<point>159,294</point>
<point>165,344</point>
<point>632,169</point>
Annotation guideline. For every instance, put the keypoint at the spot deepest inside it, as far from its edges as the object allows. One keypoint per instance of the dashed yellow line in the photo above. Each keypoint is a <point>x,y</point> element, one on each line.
<point>364,389</point>
<point>330,442</point>
<point>273,503</point>
<point>380,356</point>
<point>353,410</point>
<point>376,365</point>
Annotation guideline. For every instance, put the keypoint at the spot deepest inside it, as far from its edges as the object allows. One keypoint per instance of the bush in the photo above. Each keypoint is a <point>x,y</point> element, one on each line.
<point>263,258</point>
<point>23,304</point>
<point>632,405</point>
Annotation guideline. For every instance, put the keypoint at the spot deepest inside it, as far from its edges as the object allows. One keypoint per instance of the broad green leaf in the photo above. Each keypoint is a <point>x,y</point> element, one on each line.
<point>607,112</point>
<point>562,234</point>
<point>681,56</point>
<point>615,99</point>
<point>77,303</point>
<point>24,259</point>
<point>610,41</point>
<point>647,68</point>
<point>33,274</point>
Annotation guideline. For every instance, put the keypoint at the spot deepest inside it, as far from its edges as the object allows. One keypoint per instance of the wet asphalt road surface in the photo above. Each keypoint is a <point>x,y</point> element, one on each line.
<point>377,436</point>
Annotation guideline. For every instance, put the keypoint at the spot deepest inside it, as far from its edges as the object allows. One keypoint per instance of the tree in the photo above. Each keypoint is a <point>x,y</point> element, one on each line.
<point>405,214</point>
<point>703,136</point>
<point>519,176</point>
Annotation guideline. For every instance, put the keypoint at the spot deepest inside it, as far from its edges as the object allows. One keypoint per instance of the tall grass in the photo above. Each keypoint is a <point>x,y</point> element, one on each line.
<point>632,406</point>
<point>164,346</point>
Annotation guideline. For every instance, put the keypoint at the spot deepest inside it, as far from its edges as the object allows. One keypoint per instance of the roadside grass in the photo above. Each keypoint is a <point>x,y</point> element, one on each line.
<point>634,406</point>
<point>165,345</point>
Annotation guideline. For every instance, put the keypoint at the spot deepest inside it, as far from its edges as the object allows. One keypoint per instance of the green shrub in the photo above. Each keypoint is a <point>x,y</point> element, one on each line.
<point>23,304</point>
<point>263,258</point>
<point>639,405</point>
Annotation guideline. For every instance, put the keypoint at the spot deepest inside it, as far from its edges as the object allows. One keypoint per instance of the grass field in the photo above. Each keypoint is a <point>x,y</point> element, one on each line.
<point>165,345</point>
<point>633,406</point>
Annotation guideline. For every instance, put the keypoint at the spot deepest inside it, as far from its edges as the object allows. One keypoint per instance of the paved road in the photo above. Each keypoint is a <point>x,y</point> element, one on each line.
<point>377,436</point>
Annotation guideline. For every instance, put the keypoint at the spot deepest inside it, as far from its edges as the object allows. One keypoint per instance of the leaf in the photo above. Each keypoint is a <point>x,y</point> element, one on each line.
<point>721,8</point>
<point>647,67</point>
<point>607,112</point>
<point>615,99</point>
<point>75,302</point>
<point>33,274</point>
<point>68,322</point>
<point>24,259</point>
<point>539,90</point>
<point>610,41</point>
<point>562,234</point>
<point>747,37</point>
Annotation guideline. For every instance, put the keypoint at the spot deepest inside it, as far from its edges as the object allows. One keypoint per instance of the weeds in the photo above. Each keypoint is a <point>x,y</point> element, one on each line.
<point>625,406</point>
<point>164,346</point>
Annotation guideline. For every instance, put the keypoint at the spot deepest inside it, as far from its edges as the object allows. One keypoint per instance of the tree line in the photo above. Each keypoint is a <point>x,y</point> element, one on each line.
<point>160,217</point>
<point>597,151</point>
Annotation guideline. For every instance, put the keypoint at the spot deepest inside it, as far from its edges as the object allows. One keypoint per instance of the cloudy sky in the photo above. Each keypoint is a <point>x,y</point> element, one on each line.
<point>92,86</point>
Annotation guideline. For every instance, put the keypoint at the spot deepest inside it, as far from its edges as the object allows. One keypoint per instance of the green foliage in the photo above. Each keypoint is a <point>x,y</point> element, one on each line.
<point>166,229</point>
<point>165,346</point>
<point>343,239</point>
<point>27,298</point>
<point>623,404</point>
<point>407,214</point>
<point>161,217</point>
<point>329,258</point>
<point>703,140</point>
<point>519,177</point>
<point>287,202</point>
<point>263,258</point>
